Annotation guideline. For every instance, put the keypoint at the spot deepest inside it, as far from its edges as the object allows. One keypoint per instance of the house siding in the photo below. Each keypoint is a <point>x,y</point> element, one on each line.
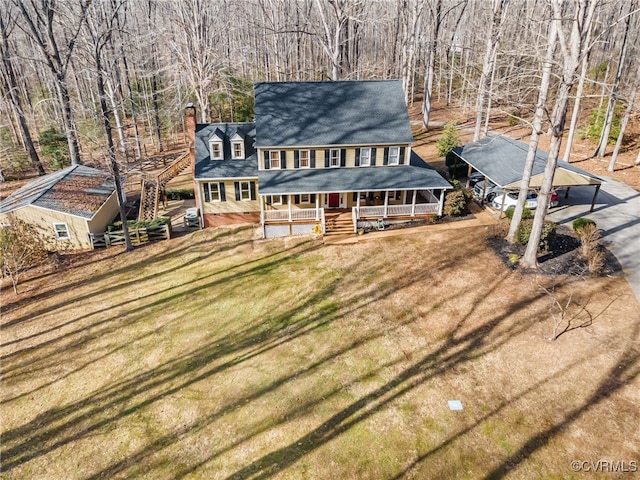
<point>107,213</point>
<point>230,205</point>
<point>43,221</point>
<point>349,161</point>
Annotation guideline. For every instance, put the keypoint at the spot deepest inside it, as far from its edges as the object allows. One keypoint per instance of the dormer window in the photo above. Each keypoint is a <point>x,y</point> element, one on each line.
<point>215,147</point>
<point>237,149</point>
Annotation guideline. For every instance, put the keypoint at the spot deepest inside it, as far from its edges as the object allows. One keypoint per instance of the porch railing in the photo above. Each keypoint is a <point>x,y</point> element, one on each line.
<point>298,214</point>
<point>396,210</point>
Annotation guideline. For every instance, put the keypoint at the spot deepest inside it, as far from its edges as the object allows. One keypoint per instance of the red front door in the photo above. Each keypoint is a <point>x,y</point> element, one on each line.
<point>334,200</point>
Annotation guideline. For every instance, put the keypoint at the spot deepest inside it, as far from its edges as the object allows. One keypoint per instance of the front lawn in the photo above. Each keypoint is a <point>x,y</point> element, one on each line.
<point>216,355</point>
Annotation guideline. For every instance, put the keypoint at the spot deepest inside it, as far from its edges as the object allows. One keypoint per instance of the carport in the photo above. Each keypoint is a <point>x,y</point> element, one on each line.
<point>502,159</point>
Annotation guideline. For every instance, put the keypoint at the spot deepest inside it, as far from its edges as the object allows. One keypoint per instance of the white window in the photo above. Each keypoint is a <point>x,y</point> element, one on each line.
<point>304,159</point>
<point>214,192</point>
<point>274,158</point>
<point>276,199</point>
<point>394,155</point>
<point>216,149</point>
<point>334,157</point>
<point>237,148</point>
<point>62,231</point>
<point>365,157</point>
<point>245,190</point>
<point>305,198</point>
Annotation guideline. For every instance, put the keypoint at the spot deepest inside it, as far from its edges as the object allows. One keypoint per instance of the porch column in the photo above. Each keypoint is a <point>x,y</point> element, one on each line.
<point>317,207</point>
<point>441,204</point>
<point>262,209</point>
<point>386,204</point>
<point>289,207</point>
<point>413,203</point>
<point>358,205</point>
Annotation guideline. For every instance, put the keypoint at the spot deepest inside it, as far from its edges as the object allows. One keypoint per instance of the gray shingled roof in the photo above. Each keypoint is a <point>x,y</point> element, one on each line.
<point>418,175</point>
<point>77,190</point>
<point>228,167</point>
<point>502,159</point>
<point>331,113</point>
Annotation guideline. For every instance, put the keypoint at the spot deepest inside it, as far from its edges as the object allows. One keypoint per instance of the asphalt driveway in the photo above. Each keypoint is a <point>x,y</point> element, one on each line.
<point>617,214</point>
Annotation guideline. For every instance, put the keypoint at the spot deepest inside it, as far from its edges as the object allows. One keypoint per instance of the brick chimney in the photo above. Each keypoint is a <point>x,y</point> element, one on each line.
<point>190,122</point>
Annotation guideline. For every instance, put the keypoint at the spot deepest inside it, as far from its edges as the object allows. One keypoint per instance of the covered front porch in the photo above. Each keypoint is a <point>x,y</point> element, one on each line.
<point>288,216</point>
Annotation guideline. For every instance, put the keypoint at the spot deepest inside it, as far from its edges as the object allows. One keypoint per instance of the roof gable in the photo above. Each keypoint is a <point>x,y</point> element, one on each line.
<point>331,113</point>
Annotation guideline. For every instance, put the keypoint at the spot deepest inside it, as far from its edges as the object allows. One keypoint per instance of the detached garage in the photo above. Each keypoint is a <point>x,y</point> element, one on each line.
<point>502,159</point>
<point>65,206</point>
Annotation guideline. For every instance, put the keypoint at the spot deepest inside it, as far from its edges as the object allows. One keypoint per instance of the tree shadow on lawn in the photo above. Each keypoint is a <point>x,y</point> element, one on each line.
<point>182,247</point>
<point>114,323</point>
<point>61,426</point>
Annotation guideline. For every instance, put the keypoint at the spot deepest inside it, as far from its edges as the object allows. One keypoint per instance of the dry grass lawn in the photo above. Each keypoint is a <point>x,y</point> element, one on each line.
<point>219,356</point>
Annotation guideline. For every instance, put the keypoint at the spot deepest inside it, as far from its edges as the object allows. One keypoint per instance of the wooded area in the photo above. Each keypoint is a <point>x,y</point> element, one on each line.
<point>69,64</point>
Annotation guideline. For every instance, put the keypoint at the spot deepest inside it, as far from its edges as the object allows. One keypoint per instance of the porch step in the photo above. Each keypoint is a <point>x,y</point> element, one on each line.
<point>338,224</point>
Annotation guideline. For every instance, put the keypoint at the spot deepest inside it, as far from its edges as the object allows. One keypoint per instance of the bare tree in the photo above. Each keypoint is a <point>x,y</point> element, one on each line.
<point>55,30</point>
<point>536,131</point>
<point>498,16</point>
<point>625,121</point>
<point>572,52</point>
<point>10,84</point>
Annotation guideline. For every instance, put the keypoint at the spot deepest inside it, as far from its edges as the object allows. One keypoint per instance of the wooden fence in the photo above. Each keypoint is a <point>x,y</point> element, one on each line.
<point>137,236</point>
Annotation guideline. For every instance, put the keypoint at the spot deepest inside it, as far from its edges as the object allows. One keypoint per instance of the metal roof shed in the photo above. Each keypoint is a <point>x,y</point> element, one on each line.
<point>501,159</point>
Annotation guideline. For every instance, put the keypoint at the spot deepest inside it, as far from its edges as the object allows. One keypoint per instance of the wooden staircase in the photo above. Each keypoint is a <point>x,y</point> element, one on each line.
<point>338,223</point>
<point>151,187</point>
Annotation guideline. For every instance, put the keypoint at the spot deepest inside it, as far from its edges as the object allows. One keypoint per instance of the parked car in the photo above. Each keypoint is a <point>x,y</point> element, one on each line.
<point>511,199</point>
<point>489,194</point>
<point>475,177</point>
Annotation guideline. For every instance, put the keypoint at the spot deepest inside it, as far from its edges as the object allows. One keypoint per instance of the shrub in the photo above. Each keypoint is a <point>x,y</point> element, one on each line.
<point>596,124</point>
<point>180,194</point>
<point>54,147</point>
<point>139,224</point>
<point>590,248</point>
<point>579,223</point>
<point>22,247</point>
<point>546,236</point>
<point>450,139</point>
<point>455,203</point>
<point>526,213</point>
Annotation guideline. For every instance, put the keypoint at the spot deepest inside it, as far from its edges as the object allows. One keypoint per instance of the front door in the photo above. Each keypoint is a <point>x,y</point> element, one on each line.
<point>334,200</point>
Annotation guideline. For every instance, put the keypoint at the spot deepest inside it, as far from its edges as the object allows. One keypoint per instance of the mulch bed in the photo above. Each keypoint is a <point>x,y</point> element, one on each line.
<point>564,258</point>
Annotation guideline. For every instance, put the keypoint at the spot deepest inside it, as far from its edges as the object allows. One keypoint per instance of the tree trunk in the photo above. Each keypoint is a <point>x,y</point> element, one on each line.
<point>499,10</point>
<point>14,96</point>
<point>611,107</point>
<point>625,122</point>
<point>535,133</point>
<point>572,55</point>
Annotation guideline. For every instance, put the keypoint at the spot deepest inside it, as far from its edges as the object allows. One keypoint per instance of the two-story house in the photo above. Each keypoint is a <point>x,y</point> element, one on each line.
<point>317,151</point>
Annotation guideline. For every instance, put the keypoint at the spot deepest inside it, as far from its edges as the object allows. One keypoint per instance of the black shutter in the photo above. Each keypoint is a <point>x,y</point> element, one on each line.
<point>326,158</point>
<point>223,197</point>
<point>343,157</point>
<point>252,190</point>
<point>268,200</point>
<point>283,159</point>
<point>207,195</point>
<point>267,163</point>
<point>296,199</point>
<point>401,160</point>
<point>373,157</point>
<point>313,198</point>
<point>313,159</point>
<point>357,157</point>
<point>237,187</point>
<point>385,158</point>
<point>355,196</point>
<point>296,159</point>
